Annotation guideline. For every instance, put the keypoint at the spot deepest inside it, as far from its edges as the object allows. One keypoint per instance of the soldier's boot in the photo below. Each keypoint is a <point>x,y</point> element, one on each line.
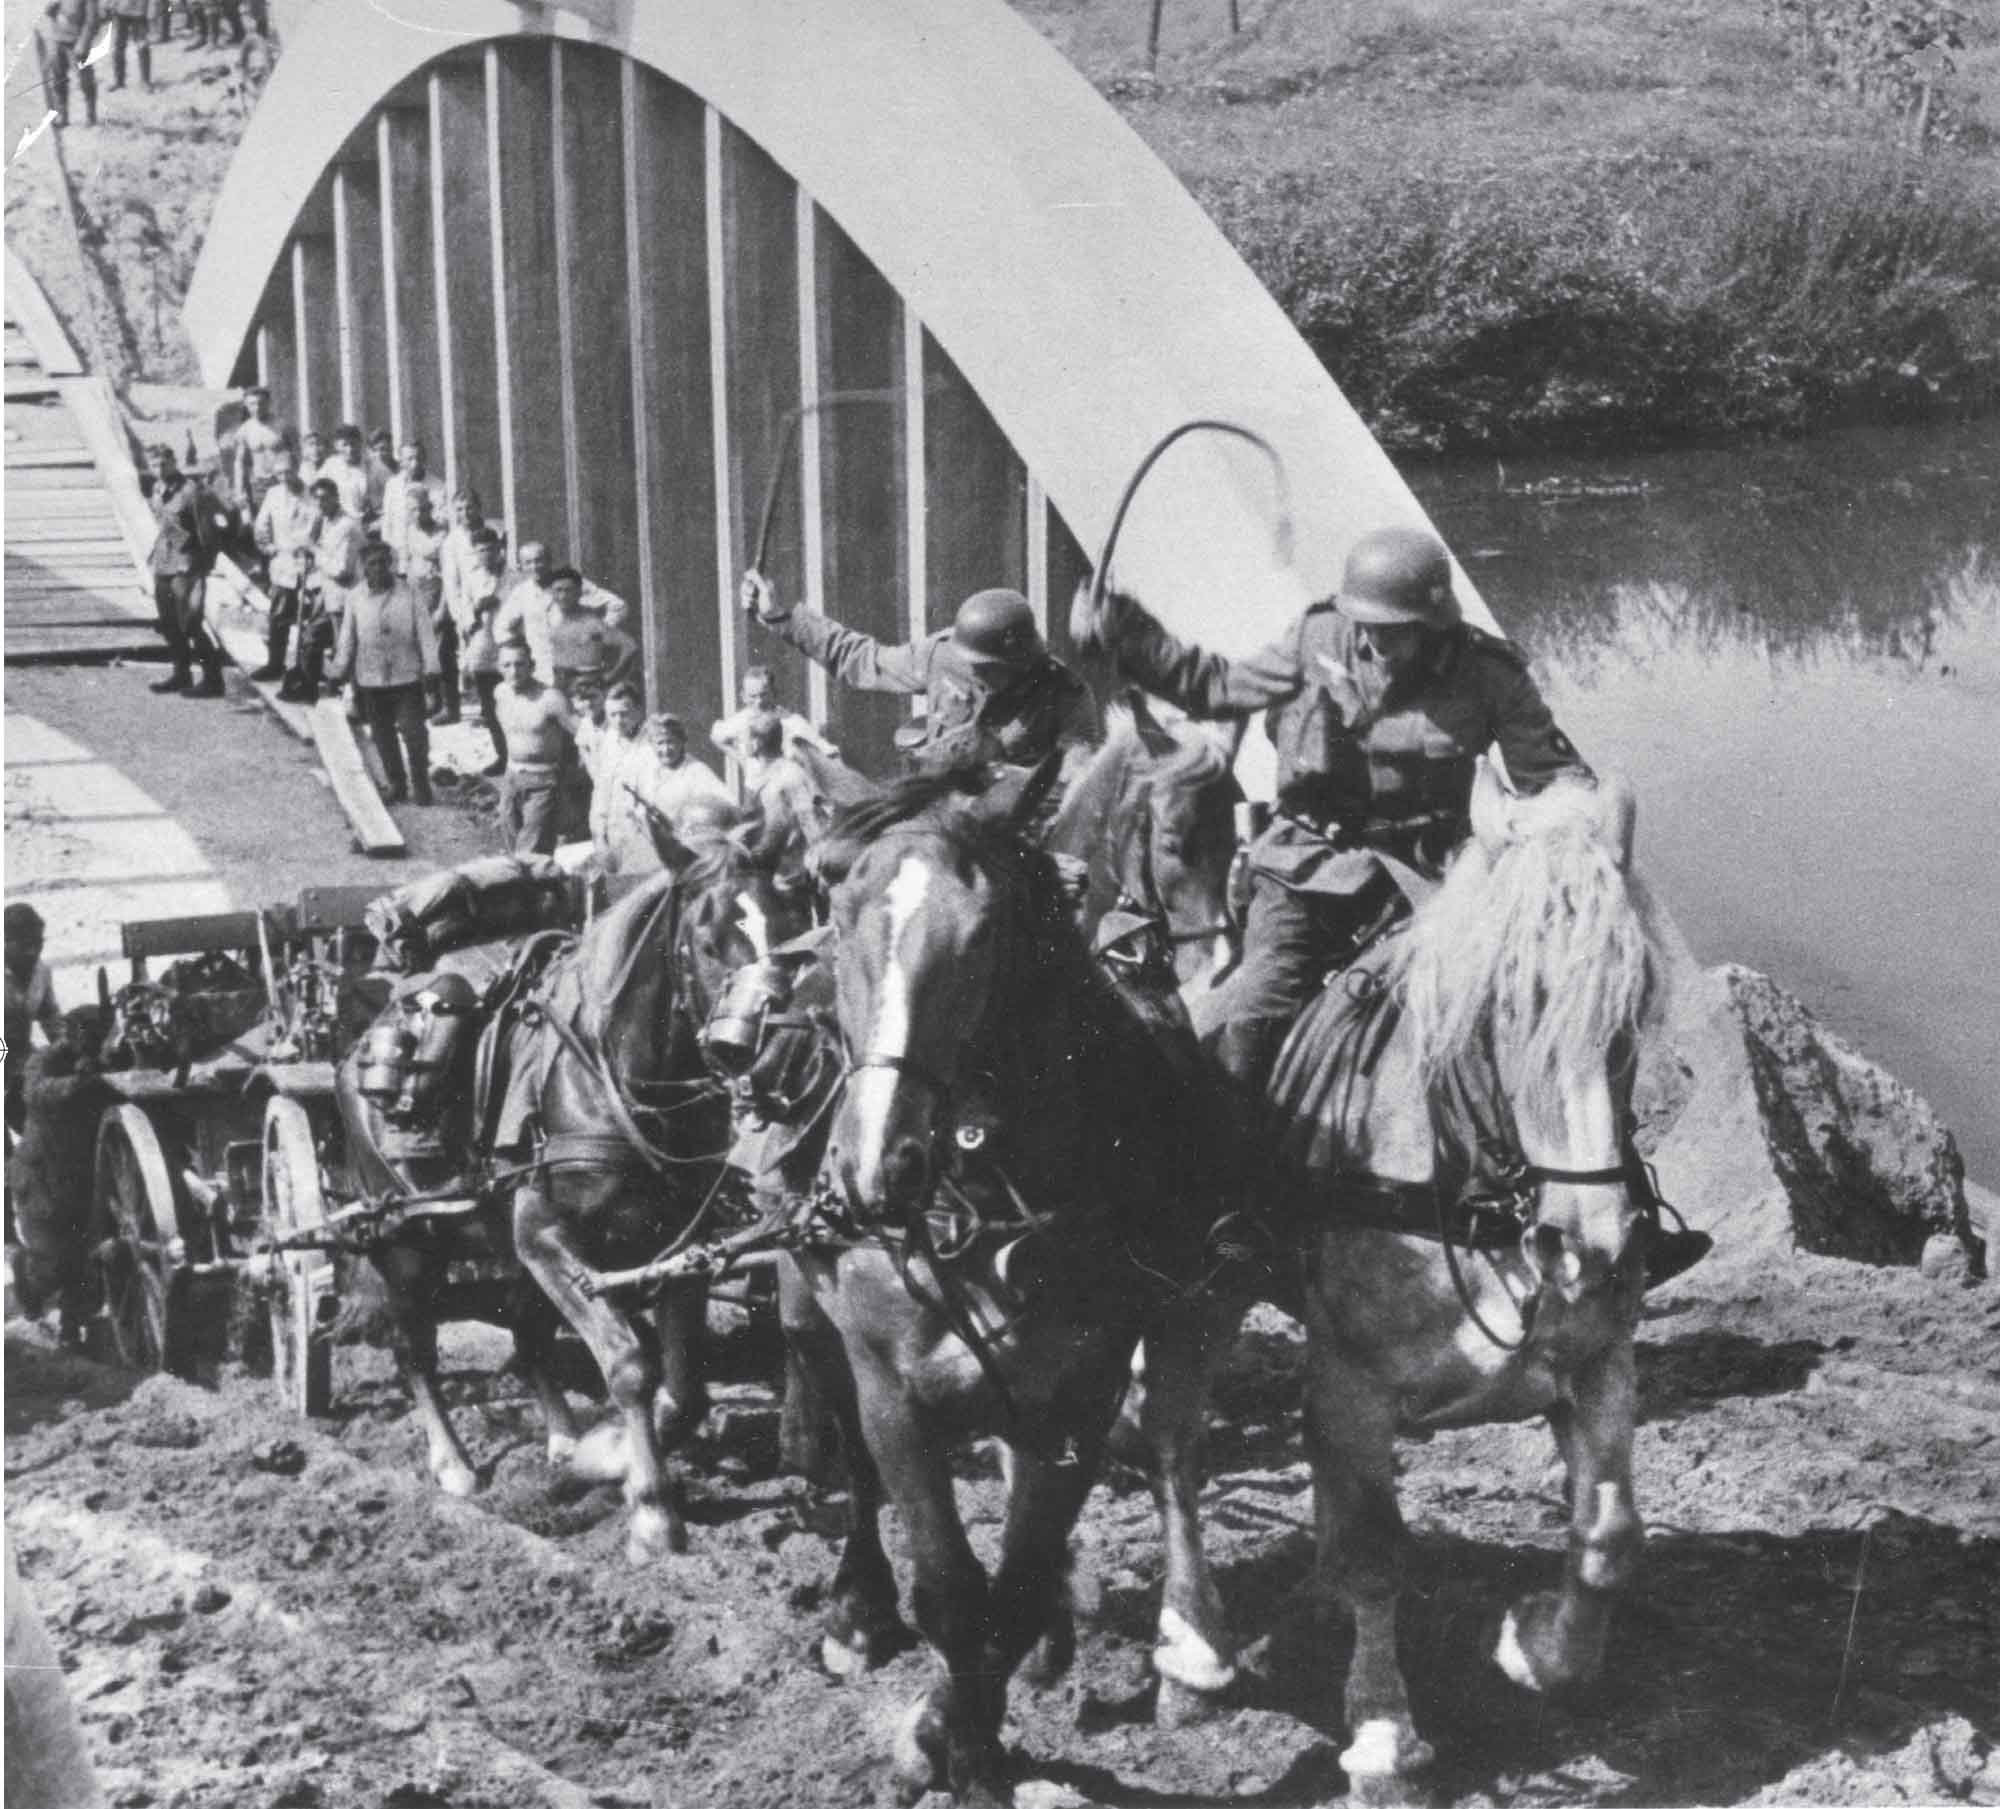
<point>274,651</point>
<point>146,67</point>
<point>89,80</point>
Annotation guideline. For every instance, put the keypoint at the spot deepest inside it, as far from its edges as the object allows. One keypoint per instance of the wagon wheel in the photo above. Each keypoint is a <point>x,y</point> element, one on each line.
<point>147,1300</point>
<point>303,1294</point>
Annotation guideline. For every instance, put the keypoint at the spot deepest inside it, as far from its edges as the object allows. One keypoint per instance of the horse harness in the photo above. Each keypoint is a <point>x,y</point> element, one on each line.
<point>1483,1193</point>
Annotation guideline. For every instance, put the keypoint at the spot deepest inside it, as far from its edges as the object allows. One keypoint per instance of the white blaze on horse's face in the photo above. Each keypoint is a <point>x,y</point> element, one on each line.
<point>1583,1231</point>
<point>874,1092</point>
<point>756,925</point>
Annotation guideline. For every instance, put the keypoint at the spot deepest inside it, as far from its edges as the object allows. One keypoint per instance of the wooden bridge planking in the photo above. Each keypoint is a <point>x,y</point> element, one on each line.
<point>462,256</point>
<point>761,303</point>
<point>602,486</point>
<point>533,482</point>
<point>859,320</point>
<point>674,444</point>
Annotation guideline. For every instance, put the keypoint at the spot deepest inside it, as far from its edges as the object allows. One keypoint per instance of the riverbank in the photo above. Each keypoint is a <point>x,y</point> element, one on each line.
<point>1565,225</point>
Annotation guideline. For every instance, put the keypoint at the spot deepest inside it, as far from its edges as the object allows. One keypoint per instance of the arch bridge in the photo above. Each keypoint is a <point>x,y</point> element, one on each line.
<point>594,255</point>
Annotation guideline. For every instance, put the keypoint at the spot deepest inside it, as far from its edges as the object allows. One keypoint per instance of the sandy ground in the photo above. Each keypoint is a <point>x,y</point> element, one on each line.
<point>253,1609</point>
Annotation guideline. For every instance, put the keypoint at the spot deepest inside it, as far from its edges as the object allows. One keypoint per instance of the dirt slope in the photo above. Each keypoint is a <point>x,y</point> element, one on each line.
<point>258,1611</point>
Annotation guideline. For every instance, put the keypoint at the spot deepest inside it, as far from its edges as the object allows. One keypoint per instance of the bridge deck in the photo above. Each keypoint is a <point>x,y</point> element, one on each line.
<point>73,588</point>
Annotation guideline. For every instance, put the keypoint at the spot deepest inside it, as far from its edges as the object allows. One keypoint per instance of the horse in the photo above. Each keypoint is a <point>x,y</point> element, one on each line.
<point>620,1131</point>
<point>1153,818</point>
<point>1481,1058</point>
<point>1016,1196</point>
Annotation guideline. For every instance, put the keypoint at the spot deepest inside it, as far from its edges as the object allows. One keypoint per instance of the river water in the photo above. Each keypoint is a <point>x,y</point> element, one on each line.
<point>1794,653</point>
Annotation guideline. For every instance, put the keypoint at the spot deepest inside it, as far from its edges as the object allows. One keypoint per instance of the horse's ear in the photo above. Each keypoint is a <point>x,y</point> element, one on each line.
<point>1019,792</point>
<point>1492,808</point>
<point>675,855</point>
<point>1618,807</point>
<point>835,780</point>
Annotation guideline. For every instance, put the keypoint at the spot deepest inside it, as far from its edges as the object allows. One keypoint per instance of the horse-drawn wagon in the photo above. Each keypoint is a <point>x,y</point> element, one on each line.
<point>213,1087</point>
<point>249,1133</point>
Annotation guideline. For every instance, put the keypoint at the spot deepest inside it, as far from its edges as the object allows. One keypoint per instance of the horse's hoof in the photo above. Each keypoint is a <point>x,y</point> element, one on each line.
<point>917,1752</point>
<point>599,1455</point>
<point>654,1533</point>
<point>1386,1751</point>
<point>1539,1653</point>
<point>561,1450</point>
<point>457,1480</point>
<point>1178,1706</point>
<point>1049,1663</point>
<point>1186,1656</point>
<point>849,1646</point>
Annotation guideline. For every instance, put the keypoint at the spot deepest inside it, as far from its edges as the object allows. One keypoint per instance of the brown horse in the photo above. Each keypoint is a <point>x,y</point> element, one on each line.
<point>632,1133</point>
<point>615,1133</point>
<point>1488,1049</point>
<point>1016,1181</point>
<point>1153,816</point>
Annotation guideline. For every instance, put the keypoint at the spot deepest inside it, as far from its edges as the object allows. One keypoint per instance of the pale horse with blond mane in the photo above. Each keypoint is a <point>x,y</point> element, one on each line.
<point>1484,1054</point>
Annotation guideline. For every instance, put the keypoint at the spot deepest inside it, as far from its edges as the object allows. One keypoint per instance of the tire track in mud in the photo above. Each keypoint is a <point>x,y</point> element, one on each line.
<point>1817,1618</point>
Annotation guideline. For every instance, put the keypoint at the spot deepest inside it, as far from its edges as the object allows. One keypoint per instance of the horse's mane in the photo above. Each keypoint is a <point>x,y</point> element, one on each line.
<point>606,950</point>
<point>1135,751</point>
<point>937,801</point>
<point>1547,945</point>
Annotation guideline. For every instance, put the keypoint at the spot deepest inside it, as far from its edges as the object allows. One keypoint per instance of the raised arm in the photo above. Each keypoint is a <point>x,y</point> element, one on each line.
<point>856,659</point>
<point>1203,684</point>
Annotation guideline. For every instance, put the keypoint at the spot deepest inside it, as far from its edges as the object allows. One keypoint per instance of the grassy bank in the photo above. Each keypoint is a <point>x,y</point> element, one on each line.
<point>1553,224</point>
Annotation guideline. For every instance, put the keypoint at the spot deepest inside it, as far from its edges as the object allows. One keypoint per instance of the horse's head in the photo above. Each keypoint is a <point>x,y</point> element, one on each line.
<point>1153,815</point>
<point>733,908</point>
<point>931,911</point>
<point>1538,959</point>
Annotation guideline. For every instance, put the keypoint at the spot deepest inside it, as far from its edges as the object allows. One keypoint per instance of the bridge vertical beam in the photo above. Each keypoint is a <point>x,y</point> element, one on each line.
<point>1068,566</point>
<point>667,296</point>
<point>602,490</point>
<point>812,529</point>
<point>316,331</point>
<point>278,347</point>
<point>462,278</point>
<point>761,340</point>
<point>1038,552</point>
<point>862,542</point>
<point>716,241</point>
<point>975,494</point>
<point>409,280</point>
<point>521,178</point>
<point>364,328</point>
<point>916,497</point>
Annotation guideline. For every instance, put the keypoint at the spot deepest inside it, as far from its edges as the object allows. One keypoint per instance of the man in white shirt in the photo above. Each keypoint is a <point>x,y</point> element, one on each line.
<point>398,497</point>
<point>620,830</point>
<point>756,690</point>
<point>337,539</point>
<point>284,535</point>
<point>386,645</point>
<point>676,781</point>
<point>525,613</point>
<point>347,470</point>
<point>460,562</point>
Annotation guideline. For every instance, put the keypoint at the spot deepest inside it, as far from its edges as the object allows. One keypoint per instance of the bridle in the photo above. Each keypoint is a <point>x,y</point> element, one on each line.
<point>1518,1182</point>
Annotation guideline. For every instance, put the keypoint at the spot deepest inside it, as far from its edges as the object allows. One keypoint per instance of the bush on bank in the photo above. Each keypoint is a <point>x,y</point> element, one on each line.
<point>1634,305</point>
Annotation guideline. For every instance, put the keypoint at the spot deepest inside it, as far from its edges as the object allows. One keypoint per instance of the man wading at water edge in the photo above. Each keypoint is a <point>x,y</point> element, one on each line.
<point>1380,701</point>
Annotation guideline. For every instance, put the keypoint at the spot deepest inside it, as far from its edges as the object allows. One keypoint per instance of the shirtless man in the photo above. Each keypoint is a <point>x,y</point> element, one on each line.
<point>536,723</point>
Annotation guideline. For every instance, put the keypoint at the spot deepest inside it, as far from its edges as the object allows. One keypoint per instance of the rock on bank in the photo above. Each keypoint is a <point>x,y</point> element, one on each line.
<point>1775,1136</point>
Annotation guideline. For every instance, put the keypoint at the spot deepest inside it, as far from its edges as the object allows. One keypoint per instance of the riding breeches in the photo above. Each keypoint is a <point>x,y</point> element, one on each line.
<point>1291,941</point>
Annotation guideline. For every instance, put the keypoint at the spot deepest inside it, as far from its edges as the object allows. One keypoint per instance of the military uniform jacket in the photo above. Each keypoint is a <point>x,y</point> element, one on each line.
<point>1019,718</point>
<point>1364,763</point>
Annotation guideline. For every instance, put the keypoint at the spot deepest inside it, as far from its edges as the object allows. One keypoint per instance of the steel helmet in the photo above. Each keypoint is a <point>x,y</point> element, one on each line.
<point>997,626</point>
<point>1398,575</point>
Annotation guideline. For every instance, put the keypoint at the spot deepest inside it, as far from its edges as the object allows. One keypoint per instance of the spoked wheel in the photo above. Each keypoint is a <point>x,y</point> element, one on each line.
<point>302,1294</point>
<point>139,1254</point>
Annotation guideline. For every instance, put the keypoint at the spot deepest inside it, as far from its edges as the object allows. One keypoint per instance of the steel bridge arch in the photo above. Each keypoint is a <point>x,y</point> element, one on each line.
<point>592,253</point>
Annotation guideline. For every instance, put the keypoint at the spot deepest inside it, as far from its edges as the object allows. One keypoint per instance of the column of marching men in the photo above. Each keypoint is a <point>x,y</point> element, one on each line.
<point>409,597</point>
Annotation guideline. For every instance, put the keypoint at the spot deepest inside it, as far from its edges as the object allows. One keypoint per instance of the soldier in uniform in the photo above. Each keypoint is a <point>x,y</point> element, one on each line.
<point>1379,701</point>
<point>993,689</point>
